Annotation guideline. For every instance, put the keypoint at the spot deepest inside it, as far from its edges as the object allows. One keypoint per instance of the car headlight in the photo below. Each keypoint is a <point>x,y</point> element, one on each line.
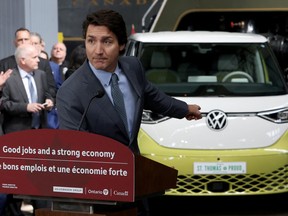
<point>276,116</point>
<point>149,117</point>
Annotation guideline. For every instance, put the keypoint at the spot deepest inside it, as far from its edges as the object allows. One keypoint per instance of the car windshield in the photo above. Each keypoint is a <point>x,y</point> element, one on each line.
<point>212,69</point>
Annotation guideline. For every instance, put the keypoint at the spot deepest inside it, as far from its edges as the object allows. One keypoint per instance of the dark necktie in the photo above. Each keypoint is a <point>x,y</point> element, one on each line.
<point>33,94</point>
<point>118,99</point>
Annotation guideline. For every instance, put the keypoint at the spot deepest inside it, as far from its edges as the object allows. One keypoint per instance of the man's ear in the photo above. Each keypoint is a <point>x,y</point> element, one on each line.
<point>22,60</point>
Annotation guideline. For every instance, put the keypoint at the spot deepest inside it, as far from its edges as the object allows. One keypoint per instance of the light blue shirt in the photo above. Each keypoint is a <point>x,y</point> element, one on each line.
<point>126,88</point>
<point>24,77</point>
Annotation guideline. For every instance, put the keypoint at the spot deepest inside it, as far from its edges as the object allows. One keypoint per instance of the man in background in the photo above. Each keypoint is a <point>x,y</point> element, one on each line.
<point>58,57</point>
<point>22,104</point>
<point>59,68</point>
<point>18,108</point>
<point>90,92</point>
<point>22,36</point>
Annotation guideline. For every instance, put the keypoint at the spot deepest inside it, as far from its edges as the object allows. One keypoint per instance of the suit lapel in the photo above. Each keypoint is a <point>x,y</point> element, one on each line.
<point>20,85</point>
<point>93,86</point>
<point>38,82</point>
<point>131,71</point>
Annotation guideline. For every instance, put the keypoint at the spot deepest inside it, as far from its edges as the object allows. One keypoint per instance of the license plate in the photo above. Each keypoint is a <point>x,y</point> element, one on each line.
<point>219,167</point>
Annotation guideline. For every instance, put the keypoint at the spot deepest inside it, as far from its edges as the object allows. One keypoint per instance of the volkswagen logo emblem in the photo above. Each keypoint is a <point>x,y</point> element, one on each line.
<point>216,120</point>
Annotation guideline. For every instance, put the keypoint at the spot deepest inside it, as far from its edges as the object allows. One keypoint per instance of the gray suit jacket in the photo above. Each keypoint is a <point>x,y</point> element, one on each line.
<point>14,101</point>
<point>101,118</point>
<point>10,63</point>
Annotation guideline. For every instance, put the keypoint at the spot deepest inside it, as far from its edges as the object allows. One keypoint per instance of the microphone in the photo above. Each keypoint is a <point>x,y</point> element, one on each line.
<point>98,94</point>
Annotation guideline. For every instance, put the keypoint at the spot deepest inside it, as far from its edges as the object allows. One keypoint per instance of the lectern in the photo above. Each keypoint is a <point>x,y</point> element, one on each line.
<point>74,168</point>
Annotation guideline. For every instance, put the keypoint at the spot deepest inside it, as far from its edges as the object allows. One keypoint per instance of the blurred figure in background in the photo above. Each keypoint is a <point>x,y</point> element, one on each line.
<point>59,68</point>
<point>77,58</point>
<point>18,108</point>
<point>58,56</point>
<point>22,107</point>
<point>43,45</point>
<point>43,54</point>
<point>22,36</point>
<point>36,41</point>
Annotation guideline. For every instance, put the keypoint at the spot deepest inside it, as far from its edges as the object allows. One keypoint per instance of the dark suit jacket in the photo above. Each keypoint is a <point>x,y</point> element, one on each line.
<point>14,102</point>
<point>75,93</point>
<point>10,63</point>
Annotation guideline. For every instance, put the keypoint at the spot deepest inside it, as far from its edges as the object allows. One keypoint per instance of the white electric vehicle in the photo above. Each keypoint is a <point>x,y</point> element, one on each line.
<point>240,146</point>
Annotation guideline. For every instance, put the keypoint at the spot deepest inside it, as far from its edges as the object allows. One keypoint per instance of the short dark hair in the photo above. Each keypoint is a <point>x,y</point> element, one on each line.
<point>109,18</point>
<point>21,29</point>
<point>77,57</point>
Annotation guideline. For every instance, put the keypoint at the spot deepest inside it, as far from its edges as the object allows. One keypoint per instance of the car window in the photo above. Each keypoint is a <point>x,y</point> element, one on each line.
<point>205,69</point>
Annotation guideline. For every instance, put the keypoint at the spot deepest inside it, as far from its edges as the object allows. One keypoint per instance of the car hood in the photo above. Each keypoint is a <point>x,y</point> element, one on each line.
<point>243,128</point>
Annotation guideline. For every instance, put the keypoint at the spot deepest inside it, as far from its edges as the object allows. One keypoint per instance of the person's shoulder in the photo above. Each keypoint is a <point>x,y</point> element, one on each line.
<point>8,63</point>
<point>14,73</point>
<point>40,71</point>
<point>127,61</point>
<point>13,76</point>
<point>65,63</point>
<point>79,75</point>
<point>8,60</point>
<point>74,75</point>
<point>72,83</point>
<point>53,65</point>
<point>128,58</point>
<point>44,64</point>
<point>43,60</point>
<point>84,67</point>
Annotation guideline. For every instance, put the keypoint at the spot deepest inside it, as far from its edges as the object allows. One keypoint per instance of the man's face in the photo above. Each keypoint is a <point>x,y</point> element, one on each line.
<point>22,37</point>
<point>102,48</point>
<point>36,42</point>
<point>31,60</point>
<point>59,51</point>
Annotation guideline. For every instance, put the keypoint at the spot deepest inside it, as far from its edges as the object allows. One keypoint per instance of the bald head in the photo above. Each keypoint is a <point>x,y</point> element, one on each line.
<point>58,53</point>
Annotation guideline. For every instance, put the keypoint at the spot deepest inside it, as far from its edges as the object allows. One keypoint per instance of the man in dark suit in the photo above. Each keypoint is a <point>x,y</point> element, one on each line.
<point>90,87</point>
<point>19,106</point>
<point>105,39</point>
<point>22,36</point>
<point>16,104</point>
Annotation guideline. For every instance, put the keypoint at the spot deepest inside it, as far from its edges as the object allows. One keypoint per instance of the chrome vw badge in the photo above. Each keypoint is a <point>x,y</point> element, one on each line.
<point>216,120</point>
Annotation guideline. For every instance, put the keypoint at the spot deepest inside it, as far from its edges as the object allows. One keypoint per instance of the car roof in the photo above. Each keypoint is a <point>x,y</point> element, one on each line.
<point>198,36</point>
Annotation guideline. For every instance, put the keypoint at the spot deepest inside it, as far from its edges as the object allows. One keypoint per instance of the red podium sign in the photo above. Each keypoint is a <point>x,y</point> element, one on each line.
<point>66,163</point>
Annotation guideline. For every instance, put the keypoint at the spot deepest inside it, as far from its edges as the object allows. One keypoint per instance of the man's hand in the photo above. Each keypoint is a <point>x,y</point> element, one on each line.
<point>48,104</point>
<point>36,107</point>
<point>194,112</point>
<point>4,76</point>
